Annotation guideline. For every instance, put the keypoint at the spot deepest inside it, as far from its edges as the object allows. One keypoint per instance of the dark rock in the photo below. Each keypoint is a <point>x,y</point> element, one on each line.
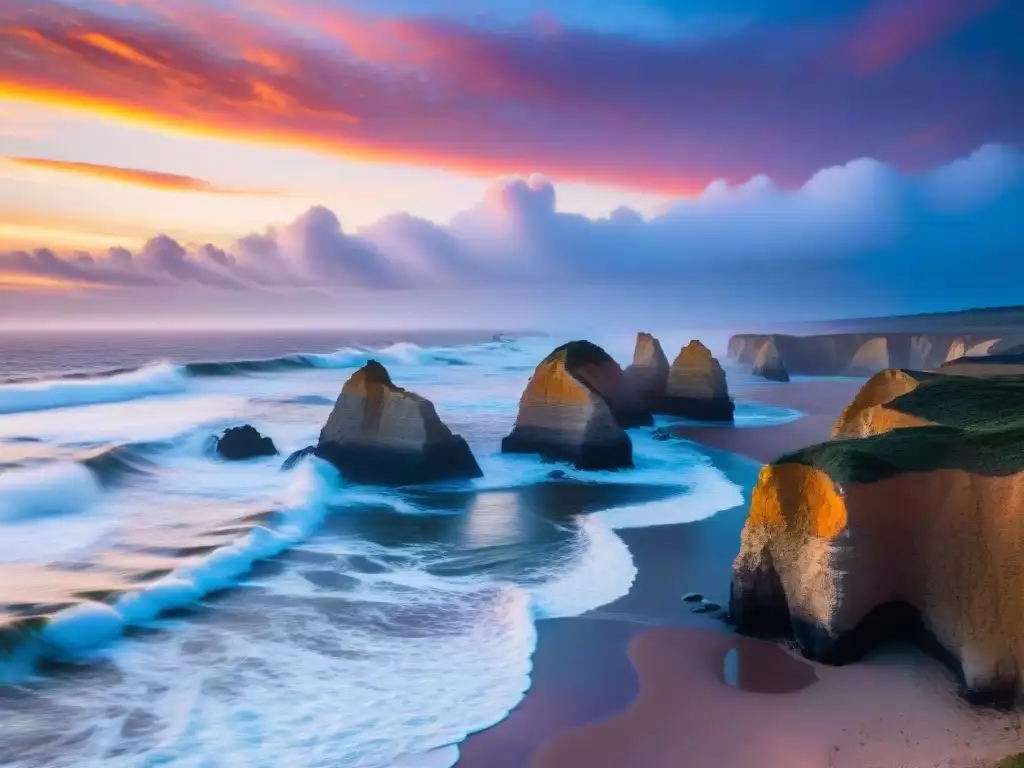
<point>244,442</point>
<point>557,474</point>
<point>706,606</point>
<point>648,373</point>
<point>382,434</point>
<point>295,457</point>
<point>693,597</point>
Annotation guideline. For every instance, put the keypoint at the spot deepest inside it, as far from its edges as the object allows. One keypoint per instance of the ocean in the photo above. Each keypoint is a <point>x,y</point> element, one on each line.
<point>162,607</point>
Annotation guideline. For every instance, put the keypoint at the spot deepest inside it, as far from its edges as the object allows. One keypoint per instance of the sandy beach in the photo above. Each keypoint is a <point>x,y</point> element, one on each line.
<point>642,682</point>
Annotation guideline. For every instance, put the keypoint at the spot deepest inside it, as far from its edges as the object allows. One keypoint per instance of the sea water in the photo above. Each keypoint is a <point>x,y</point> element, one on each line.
<point>167,608</point>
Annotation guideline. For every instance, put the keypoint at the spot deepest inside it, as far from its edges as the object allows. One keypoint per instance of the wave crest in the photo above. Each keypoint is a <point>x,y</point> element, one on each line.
<point>154,379</point>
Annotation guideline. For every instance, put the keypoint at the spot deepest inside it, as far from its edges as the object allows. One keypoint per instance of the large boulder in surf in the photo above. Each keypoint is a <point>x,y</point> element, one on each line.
<point>696,386</point>
<point>563,416</point>
<point>245,442</point>
<point>909,532</point>
<point>382,434</point>
<point>648,373</point>
<point>597,370</point>
<point>769,363</point>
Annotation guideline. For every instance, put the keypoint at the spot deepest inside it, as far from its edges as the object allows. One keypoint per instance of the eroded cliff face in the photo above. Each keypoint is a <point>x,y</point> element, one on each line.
<point>854,353</point>
<point>648,373</point>
<point>867,415</point>
<point>697,386</point>
<point>380,433</point>
<point>768,363</point>
<point>563,418</point>
<point>841,567</point>
<point>913,517</point>
<point>596,369</point>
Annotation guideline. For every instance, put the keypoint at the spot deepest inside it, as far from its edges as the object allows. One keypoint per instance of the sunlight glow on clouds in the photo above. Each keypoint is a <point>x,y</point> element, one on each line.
<point>864,210</point>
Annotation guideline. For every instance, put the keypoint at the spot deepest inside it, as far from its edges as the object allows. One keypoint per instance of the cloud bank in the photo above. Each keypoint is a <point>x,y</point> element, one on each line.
<point>912,82</point>
<point>853,231</point>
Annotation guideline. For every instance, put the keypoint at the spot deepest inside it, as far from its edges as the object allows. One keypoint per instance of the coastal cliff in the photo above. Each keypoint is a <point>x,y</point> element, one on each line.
<point>855,354</point>
<point>911,524</point>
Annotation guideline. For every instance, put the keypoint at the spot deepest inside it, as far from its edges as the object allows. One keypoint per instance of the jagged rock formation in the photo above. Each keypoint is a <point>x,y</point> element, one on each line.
<point>245,442</point>
<point>564,416</point>
<point>769,364</point>
<point>597,370</point>
<point>866,414</point>
<point>380,433</point>
<point>648,373</point>
<point>697,387</point>
<point>911,531</point>
<point>861,354</point>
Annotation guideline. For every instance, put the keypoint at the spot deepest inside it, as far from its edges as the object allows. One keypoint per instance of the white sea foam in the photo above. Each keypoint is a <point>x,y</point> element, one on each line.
<point>156,379</point>
<point>386,669</point>
<point>90,625</point>
<point>47,511</point>
<point>45,490</point>
<point>603,571</point>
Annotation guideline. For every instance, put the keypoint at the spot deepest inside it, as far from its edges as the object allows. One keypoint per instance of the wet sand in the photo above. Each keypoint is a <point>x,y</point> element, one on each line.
<point>645,683</point>
<point>821,401</point>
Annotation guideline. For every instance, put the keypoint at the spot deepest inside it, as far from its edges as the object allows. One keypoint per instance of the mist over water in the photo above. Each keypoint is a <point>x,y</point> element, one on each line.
<point>164,607</point>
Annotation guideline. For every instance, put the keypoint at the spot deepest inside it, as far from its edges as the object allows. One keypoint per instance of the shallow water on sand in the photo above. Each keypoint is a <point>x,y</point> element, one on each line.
<point>163,607</point>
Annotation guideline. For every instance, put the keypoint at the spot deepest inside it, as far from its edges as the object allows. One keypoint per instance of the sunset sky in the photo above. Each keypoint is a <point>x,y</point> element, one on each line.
<point>162,155</point>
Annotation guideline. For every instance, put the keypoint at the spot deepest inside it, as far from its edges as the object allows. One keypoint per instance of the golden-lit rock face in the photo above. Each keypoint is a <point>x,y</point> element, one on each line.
<point>696,373</point>
<point>823,559</point>
<point>561,417</point>
<point>947,542</point>
<point>552,384</point>
<point>867,415</point>
<point>381,433</point>
<point>372,409</point>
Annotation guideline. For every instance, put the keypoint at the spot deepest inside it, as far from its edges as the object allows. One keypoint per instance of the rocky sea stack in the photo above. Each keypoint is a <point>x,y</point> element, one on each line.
<point>769,363</point>
<point>696,386</point>
<point>908,526</point>
<point>382,434</point>
<point>648,373</point>
<point>566,411</point>
<point>245,442</point>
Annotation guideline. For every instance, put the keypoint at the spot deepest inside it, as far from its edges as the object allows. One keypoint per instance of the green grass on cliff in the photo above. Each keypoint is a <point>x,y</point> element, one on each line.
<point>965,402</point>
<point>1012,761</point>
<point>980,430</point>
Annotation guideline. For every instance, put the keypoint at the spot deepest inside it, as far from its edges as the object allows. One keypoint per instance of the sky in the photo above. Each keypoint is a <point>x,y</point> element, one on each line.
<point>460,163</point>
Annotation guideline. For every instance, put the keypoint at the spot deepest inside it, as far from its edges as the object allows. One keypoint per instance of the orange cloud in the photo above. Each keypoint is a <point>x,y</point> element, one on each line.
<point>13,281</point>
<point>171,182</point>
<point>394,92</point>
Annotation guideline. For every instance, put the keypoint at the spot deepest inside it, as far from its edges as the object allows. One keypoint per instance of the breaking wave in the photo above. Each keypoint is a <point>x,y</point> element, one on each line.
<point>165,378</point>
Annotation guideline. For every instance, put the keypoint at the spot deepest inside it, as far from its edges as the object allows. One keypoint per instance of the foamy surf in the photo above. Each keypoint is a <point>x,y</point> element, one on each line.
<point>156,379</point>
<point>342,649</point>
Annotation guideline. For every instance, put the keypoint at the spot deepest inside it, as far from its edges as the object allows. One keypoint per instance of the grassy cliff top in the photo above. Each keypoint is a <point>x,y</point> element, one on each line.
<point>979,428</point>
